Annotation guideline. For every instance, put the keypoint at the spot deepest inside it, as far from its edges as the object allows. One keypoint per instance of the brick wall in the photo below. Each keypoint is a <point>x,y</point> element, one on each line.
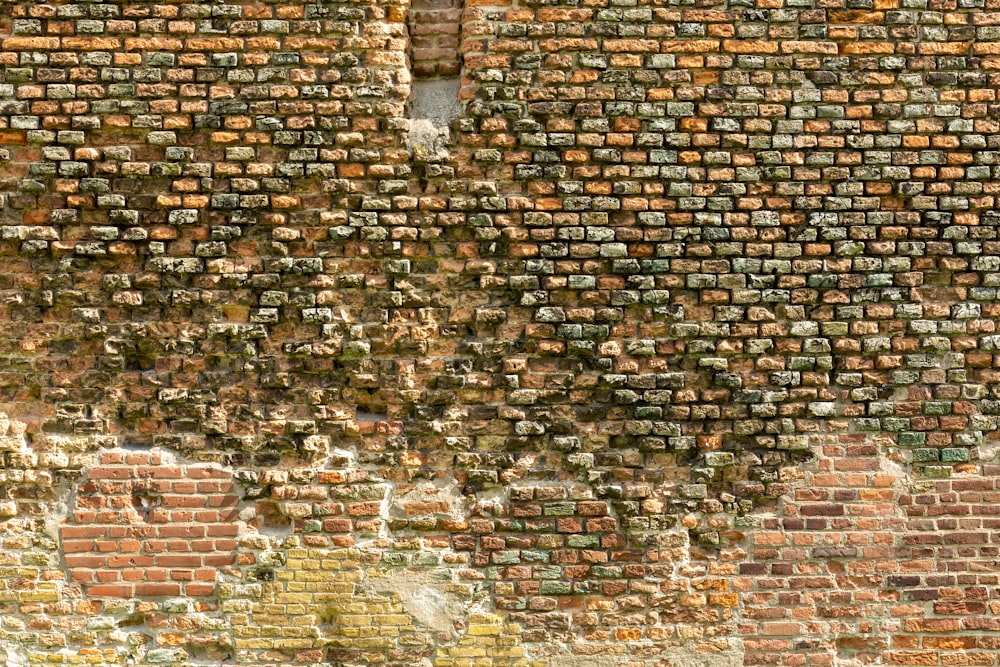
<point>142,527</point>
<point>681,351</point>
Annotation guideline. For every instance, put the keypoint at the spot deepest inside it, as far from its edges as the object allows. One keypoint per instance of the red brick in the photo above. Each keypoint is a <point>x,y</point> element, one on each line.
<point>85,561</point>
<point>158,589</point>
<point>218,560</point>
<point>110,590</point>
<point>110,473</point>
<point>178,561</point>
<point>183,531</point>
<point>78,546</point>
<point>130,560</point>
<point>199,589</point>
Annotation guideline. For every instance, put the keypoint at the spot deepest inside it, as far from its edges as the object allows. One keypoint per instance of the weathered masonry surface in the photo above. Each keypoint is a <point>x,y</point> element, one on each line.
<point>677,348</point>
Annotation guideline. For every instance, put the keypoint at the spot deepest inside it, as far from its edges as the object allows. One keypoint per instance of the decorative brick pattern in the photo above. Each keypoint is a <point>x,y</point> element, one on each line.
<point>679,351</point>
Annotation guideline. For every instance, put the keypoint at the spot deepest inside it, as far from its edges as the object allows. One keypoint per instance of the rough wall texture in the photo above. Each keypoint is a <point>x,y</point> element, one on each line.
<point>681,352</point>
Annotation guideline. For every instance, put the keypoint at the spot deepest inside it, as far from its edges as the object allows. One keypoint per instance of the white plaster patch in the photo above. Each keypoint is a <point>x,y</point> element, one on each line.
<point>436,100</point>
<point>435,103</point>
<point>427,141</point>
<point>681,658</point>
<point>440,497</point>
<point>425,595</point>
<point>12,657</point>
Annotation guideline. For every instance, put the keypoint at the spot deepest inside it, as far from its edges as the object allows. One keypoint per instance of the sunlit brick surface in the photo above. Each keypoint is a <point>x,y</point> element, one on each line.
<point>679,350</point>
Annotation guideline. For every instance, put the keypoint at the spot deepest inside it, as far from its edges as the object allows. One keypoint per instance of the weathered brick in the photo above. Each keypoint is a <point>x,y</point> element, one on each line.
<point>674,309</point>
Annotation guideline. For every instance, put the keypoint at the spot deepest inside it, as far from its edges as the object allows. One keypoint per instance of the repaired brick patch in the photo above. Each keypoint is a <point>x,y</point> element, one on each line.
<point>141,527</point>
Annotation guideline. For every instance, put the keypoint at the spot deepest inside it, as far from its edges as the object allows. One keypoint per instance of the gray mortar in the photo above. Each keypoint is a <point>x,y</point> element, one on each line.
<point>435,103</point>
<point>436,100</point>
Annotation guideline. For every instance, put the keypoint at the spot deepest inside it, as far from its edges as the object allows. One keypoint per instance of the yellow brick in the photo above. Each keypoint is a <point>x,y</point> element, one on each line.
<point>372,643</point>
<point>333,608</point>
<point>508,641</point>
<point>392,619</point>
<point>335,592</point>
<point>354,620</point>
<point>724,599</point>
<point>297,632</point>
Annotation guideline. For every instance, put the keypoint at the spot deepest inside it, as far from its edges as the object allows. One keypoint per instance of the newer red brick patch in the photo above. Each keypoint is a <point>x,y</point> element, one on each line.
<point>143,527</point>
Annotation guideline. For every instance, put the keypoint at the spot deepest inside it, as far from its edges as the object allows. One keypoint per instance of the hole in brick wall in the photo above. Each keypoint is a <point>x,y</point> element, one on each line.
<point>137,445</point>
<point>370,415</point>
<point>271,522</point>
<point>266,459</point>
<point>134,619</point>
<point>144,502</point>
<point>137,356</point>
<point>140,364</point>
<point>276,526</point>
